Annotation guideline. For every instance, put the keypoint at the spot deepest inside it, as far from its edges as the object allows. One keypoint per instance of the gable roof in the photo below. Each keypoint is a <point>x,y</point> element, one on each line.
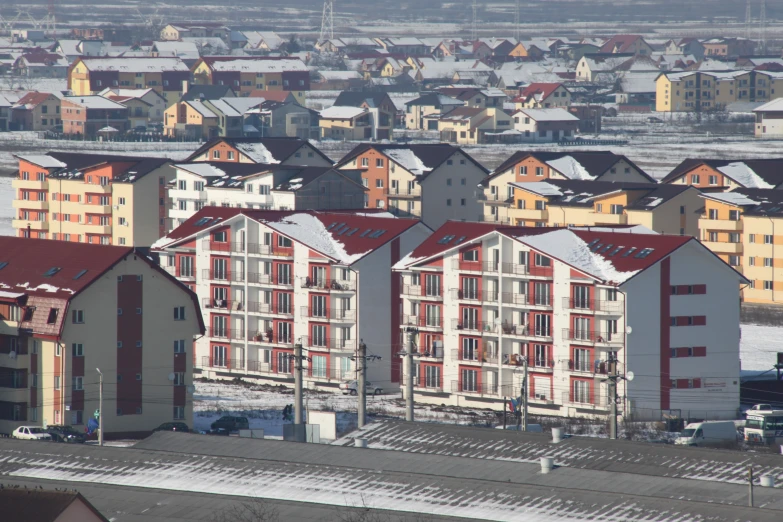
<point>207,92</point>
<point>253,64</point>
<point>435,99</point>
<point>749,173</point>
<point>756,202</point>
<point>460,232</point>
<point>132,65</point>
<point>32,99</point>
<point>260,150</point>
<point>73,163</point>
<point>620,43</point>
<point>555,114</point>
<point>358,98</point>
<point>583,193</point>
<point>40,505</point>
<point>540,91</point>
<point>418,159</point>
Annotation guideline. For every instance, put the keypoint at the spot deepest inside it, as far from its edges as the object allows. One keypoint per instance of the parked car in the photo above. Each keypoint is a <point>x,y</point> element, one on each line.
<point>229,423</point>
<point>30,433</point>
<point>709,433</point>
<point>66,434</point>
<point>351,387</point>
<point>173,426</point>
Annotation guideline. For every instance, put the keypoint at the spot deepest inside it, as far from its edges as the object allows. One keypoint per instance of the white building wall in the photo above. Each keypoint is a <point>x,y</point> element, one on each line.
<point>436,193</point>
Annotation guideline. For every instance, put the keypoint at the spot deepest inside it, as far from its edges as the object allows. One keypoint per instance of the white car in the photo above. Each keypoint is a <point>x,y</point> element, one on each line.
<point>352,387</point>
<point>30,433</point>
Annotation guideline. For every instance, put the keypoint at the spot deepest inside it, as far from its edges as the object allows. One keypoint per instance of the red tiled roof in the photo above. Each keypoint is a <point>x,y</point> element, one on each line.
<point>188,228</point>
<point>468,231</point>
<point>619,43</point>
<point>544,89</point>
<point>33,98</point>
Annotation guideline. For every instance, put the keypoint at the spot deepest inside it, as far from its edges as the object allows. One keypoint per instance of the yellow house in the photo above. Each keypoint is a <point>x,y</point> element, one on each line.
<point>192,119</point>
<point>705,91</point>
<point>346,123</point>
<point>745,228</point>
<point>469,125</point>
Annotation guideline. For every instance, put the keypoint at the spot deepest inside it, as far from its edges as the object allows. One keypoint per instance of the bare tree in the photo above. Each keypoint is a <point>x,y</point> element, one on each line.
<point>254,510</point>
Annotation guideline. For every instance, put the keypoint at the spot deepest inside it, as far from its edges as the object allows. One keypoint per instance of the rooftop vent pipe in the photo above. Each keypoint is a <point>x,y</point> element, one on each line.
<point>547,463</point>
<point>557,435</point>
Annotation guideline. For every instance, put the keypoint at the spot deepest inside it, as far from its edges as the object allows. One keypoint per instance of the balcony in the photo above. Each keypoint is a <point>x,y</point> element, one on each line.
<point>474,388</point>
<point>521,330</point>
<point>222,304</point>
<point>329,314</point>
<point>222,275</point>
<point>532,214</point>
<point>32,225</point>
<point>329,375</point>
<point>90,228</point>
<point>474,266</point>
<point>250,248</point>
<point>474,295</point>
<point>285,371</point>
<point>434,322</point>
<point>270,309</point>
<point>423,292</point>
<point>219,363</point>
<point>728,225</point>
<point>29,204</point>
<point>269,337</point>
<point>483,327</point>
<point>327,345</point>
<point>592,337</point>
<point>583,400</point>
<point>723,248</point>
<point>535,364</point>
<point>610,219</point>
<point>403,193</point>
<point>584,366</point>
<point>528,300</point>
<point>179,273</point>
<point>589,306</point>
<point>226,333</point>
<point>491,218</point>
<point>474,356</point>
<point>495,199</point>
<point>30,184</point>
<point>515,269</point>
<point>327,285</point>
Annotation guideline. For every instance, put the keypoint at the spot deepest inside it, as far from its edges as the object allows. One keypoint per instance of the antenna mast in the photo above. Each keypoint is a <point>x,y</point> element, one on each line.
<point>327,21</point>
<point>763,27</point>
<point>748,18</point>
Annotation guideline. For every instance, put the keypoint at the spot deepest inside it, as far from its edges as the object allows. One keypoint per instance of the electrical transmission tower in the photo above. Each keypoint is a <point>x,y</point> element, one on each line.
<point>747,19</point>
<point>327,21</point>
<point>50,21</point>
<point>516,21</point>
<point>763,27</point>
<point>474,23</point>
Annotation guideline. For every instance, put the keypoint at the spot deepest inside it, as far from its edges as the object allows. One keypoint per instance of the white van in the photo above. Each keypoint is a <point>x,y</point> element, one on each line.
<point>708,433</point>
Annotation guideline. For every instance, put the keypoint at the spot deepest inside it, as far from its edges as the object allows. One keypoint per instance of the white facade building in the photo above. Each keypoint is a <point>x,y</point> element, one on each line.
<point>267,280</point>
<point>484,298</point>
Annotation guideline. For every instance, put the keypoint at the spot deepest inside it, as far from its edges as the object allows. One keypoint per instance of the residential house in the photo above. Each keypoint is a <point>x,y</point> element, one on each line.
<point>188,52</point>
<point>206,92</point>
<point>591,66</point>
<point>432,182</point>
<point>91,198</point>
<point>724,175</point>
<point>431,73</point>
<point>666,209</point>
<point>471,126</point>
<point>93,116</point>
<point>178,31</point>
<point>428,104</point>
<point>728,47</point>
<point>48,506</point>
<point>686,47</point>
<point>245,74</point>
<point>739,227</point>
<point>476,97</point>
<point>346,123</point>
<point>380,107</point>
<point>210,46</point>
<point>263,42</point>
<point>572,306</point>
<point>72,312</point>
<point>337,80</point>
<point>153,104</point>
<point>268,280</point>
<point>283,151</point>
<point>266,187</point>
<point>275,119</point>
<point>626,43</point>
<point>36,111</point>
<point>348,45</point>
<point>91,75</point>
<point>407,46</point>
<point>544,125</point>
<point>574,51</point>
<point>543,96</point>
<point>41,64</point>
<point>769,119</point>
<point>192,120</point>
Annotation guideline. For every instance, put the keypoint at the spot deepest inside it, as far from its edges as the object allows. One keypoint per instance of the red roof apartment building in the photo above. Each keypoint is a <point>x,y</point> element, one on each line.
<point>68,310</point>
<point>483,298</point>
<point>269,279</point>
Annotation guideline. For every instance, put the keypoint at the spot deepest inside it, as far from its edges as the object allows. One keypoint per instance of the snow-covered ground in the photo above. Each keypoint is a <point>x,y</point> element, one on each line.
<point>6,211</point>
<point>759,347</point>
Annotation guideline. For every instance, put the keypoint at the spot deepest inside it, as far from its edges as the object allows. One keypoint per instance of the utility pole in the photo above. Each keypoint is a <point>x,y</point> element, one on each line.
<point>409,375</point>
<point>747,19</point>
<point>474,24</point>
<point>763,27</point>
<point>517,33</point>
<point>612,396</point>
<point>100,407</point>
<point>750,486</point>
<point>524,395</point>
<point>298,405</point>
<point>362,383</point>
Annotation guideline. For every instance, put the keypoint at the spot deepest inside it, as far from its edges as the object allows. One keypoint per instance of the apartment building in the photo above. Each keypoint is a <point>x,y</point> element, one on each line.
<point>92,198</point>
<point>93,115</point>
<point>543,96</point>
<point>261,186</point>
<point>428,104</point>
<point>719,175</point>
<point>92,74</point>
<point>714,90</point>
<point>270,279</point>
<point>378,104</point>
<point>728,47</point>
<point>741,228</point>
<point>285,151</point>
<point>485,298</point>
<point>67,309</point>
<point>245,74</point>
<point>433,182</point>
<point>667,209</point>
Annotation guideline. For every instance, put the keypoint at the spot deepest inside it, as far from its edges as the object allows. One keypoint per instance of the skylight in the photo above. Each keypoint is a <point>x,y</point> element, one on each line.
<point>81,273</point>
<point>330,227</point>
<point>629,251</point>
<point>615,251</point>
<point>52,271</point>
<point>378,233</point>
<point>365,232</point>
<point>203,221</point>
<point>593,242</point>
<point>459,240</point>
<point>3,264</point>
<point>596,247</point>
<point>445,240</point>
<point>643,253</point>
<point>352,232</point>
<point>216,221</point>
<point>607,248</point>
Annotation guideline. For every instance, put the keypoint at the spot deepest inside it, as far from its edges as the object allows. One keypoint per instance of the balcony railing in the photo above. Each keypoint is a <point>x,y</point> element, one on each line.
<point>434,321</point>
<point>227,333</point>
<point>474,295</point>
<point>525,330</point>
<point>527,299</point>
<point>477,356</point>
<point>583,365</point>
<point>269,337</point>
<point>222,275</point>
<point>250,248</point>
<point>332,314</point>
<point>176,271</point>
<point>222,363</point>
<point>491,218</point>
<point>270,308</point>
<point>270,368</point>
<point>582,399</point>
<point>475,266</point>
<point>526,270</point>
<point>328,344</point>
<point>474,388</point>
<point>404,192</point>
<point>327,285</point>
<point>330,374</point>
<point>591,336</point>
<point>593,305</point>
<point>222,304</point>
<point>474,326</point>
<point>432,291</point>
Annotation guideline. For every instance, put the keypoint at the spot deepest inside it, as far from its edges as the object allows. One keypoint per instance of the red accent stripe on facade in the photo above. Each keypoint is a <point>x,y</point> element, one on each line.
<point>665,328</point>
<point>129,331</point>
<point>396,303</point>
<point>33,371</point>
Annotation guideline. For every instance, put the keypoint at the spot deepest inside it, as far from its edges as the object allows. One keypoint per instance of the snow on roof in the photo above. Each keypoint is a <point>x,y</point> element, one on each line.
<point>135,64</point>
<point>204,170</point>
<point>225,108</point>
<point>744,175</point>
<point>340,75</point>
<point>310,231</point>
<point>570,168</point>
<point>41,160</point>
<point>94,102</point>
<point>257,152</point>
<point>732,198</point>
<point>571,249</point>
<point>408,160</point>
<point>549,114</point>
<point>260,66</point>
<point>10,295</point>
<point>202,109</point>
<point>342,113</point>
<point>539,187</point>
<point>773,106</point>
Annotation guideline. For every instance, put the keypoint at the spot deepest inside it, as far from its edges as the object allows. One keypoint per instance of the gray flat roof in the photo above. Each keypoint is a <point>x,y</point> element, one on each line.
<point>430,484</point>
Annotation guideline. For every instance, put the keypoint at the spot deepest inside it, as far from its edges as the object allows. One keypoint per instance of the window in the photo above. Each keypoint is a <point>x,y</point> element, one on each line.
<point>379,163</point>
<point>56,382</point>
<point>734,260</point>
<point>767,239</point>
<point>378,183</point>
<point>523,171</point>
<point>179,412</point>
<point>77,316</point>
<point>432,377</point>
<point>138,311</point>
<point>179,313</point>
<point>179,346</point>
<point>77,384</point>
<point>751,238</point>
<point>539,171</point>
<point>52,319</point>
<point>284,242</point>
<point>768,262</point>
<point>77,349</point>
<point>734,215</point>
<point>57,350</point>
<point>220,237</point>
<point>216,154</point>
<point>365,162</point>
<point>448,202</point>
<point>768,285</point>
<point>694,179</point>
<point>543,260</point>
<point>448,182</point>
<point>713,180</point>
<point>751,261</point>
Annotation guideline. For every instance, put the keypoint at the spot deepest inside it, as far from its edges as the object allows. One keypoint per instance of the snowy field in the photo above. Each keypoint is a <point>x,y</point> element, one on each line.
<point>759,347</point>
<point>6,211</point>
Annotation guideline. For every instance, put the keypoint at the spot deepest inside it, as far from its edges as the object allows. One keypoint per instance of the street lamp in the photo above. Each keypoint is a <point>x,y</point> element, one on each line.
<point>100,407</point>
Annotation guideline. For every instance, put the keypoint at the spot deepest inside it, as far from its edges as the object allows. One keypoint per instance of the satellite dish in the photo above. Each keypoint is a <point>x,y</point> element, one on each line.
<point>191,389</point>
<point>629,329</point>
<point>12,354</point>
<point>171,376</point>
<point>629,376</point>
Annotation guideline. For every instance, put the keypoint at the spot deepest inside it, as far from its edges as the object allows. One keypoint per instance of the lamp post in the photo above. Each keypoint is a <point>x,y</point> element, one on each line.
<point>100,407</point>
